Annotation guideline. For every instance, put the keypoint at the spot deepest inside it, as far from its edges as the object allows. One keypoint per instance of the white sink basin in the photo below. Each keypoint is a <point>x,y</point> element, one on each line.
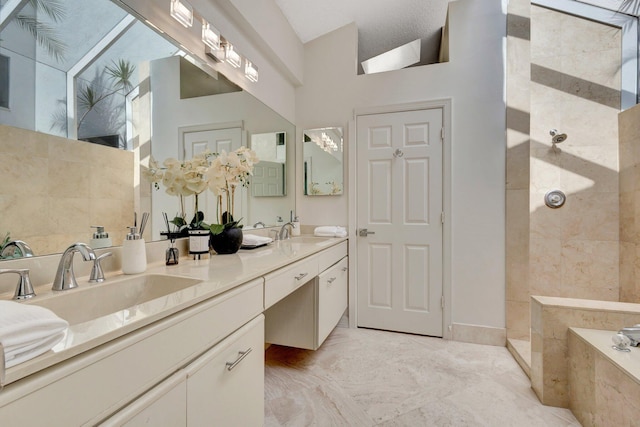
<point>90,301</point>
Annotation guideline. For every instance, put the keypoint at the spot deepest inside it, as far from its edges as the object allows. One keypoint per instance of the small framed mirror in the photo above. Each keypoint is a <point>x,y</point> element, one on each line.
<point>269,173</point>
<point>323,161</point>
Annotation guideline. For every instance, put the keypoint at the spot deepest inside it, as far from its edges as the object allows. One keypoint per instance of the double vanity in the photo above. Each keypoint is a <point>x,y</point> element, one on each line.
<point>179,345</point>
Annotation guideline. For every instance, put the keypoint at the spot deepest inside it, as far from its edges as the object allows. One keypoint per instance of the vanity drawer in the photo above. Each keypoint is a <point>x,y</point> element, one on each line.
<point>281,283</point>
<point>332,298</point>
<point>330,256</point>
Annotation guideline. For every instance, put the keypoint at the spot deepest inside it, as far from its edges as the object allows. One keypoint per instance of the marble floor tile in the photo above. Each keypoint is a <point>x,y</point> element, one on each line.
<point>364,377</point>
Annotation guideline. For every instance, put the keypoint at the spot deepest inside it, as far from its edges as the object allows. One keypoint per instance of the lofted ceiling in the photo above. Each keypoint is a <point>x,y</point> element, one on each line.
<point>382,24</point>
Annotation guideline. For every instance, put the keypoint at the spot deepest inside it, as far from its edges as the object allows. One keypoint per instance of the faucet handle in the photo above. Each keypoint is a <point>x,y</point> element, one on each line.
<point>97,274</point>
<point>24,289</point>
<point>276,235</point>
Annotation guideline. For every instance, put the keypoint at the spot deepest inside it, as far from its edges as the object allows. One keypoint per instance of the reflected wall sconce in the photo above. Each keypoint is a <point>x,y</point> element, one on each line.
<point>182,12</point>
<point>231,56</point>
<point>250,71</point>
<point>210,36</point>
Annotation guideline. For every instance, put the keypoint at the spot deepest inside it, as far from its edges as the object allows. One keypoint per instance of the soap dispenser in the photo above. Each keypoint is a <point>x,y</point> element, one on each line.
<point>134,254</point>
<point>100,238</point>
<point>295,231</point>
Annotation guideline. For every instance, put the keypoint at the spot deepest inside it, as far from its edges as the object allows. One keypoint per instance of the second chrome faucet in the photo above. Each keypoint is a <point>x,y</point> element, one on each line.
<point>65,277</point>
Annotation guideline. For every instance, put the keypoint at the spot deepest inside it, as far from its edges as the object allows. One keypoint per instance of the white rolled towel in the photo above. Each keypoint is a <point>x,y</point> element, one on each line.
<point>255,240</point>
<point>330,231</point>
<point>27,331</point>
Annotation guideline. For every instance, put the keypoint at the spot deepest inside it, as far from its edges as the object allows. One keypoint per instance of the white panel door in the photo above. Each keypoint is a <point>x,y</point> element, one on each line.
<point>399,201</point>
<point>215,140</point>
<point>268,179</point>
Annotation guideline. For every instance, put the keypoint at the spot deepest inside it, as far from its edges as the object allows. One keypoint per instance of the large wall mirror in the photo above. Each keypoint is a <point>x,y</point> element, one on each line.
<point>323,161</point>
<point>269,175</point>
<point>92,71</point>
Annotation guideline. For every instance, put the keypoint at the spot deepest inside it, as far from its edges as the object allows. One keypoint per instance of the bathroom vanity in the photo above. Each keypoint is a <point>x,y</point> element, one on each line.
<point>194,356</point>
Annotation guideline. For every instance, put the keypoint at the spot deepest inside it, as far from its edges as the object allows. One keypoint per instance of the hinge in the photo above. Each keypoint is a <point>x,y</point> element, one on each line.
<point>442,217</point>
<point>442,302</point>
<point>442,134</point>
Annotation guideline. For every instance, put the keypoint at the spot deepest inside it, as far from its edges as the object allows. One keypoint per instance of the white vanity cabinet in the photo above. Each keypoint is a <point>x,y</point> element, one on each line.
<point>98,384</point>
<point>332,297</point>
<point>163,405</point>
<point>225,386</point>
<point>306,316</point>
<point>200,364</point>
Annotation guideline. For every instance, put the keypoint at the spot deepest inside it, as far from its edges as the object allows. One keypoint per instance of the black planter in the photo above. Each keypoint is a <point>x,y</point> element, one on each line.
<point>227,242</point>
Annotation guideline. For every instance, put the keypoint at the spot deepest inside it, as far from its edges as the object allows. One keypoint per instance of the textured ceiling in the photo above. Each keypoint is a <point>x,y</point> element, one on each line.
<point>382,24</point>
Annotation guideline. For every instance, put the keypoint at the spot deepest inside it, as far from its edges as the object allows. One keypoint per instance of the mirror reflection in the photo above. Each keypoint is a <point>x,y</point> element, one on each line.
<point>269,175</point>
<point>322,161</point>
<point>74,70</point>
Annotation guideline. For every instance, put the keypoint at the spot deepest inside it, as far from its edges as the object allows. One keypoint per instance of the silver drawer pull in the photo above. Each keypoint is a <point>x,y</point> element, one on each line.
<point>301,276</point>
<point>241,355</point>
<point>330,281</point>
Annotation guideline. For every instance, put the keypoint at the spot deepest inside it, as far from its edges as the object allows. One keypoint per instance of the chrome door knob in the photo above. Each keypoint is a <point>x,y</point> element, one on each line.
<point>363,232</point>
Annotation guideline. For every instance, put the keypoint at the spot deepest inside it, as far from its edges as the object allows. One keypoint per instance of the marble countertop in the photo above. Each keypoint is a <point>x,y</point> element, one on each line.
<point>601,340</point>
<point>216,274</point>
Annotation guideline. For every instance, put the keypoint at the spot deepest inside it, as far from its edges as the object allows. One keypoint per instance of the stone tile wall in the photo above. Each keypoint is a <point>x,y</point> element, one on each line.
<point>601,392</point>
<point>52,189</point>
<point>551,319</point>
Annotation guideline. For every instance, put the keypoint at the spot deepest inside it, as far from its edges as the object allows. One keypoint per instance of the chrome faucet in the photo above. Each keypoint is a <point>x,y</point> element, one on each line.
<point>24,289</point>
<point>633,333</point>
<point>284,232</point>
<point>65,278</point>
<point>97,273</point>
<point>258,223</point>
<point>10,248</point>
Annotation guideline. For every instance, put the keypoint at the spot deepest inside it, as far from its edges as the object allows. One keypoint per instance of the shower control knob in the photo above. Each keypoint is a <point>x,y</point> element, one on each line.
<point>555,199</point>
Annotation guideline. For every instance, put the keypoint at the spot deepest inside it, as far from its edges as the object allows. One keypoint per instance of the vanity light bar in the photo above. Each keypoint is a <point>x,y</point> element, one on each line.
<point>216,47</point>
<point>210,36</point>
<point>232,57</point>
<point>182,12</point>
<point>250,71</point>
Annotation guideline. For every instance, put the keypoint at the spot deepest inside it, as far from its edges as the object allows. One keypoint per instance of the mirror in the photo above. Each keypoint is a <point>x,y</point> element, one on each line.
<point>91,77</point>
<point>322,161</point>
<point>269,175</point>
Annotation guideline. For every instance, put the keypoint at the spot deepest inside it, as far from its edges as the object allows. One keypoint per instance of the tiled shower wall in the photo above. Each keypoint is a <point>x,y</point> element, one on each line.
<point>630,204</point>
<point>53,189</point>
<point>574,87</point>
<point>517,179</point>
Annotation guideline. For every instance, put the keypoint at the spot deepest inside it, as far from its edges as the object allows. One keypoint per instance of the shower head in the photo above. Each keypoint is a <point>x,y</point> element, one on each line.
<point>557,137</point>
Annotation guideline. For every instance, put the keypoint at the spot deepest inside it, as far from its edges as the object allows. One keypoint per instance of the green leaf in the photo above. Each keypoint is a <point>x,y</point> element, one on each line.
<point>45,35</point>
<point>216,229</point>
<point>178,222</point>
<point>121,73</point>
<point>55,10</point>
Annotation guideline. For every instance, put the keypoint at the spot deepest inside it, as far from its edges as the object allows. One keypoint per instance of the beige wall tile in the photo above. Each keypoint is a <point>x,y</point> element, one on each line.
<point>59,193</point>
<point>582,401</point>
<point>518,319</point>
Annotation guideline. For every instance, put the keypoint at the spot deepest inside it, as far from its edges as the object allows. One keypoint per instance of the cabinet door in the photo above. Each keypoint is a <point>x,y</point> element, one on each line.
<point>163,405</point>
<point>225,386</point>
<point>332,298</point>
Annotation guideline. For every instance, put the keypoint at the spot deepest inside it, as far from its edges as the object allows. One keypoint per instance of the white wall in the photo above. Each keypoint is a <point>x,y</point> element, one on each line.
<point>474,81</point>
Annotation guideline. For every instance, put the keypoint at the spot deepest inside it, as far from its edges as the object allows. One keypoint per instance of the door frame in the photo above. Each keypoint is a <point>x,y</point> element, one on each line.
<point>446,105</point>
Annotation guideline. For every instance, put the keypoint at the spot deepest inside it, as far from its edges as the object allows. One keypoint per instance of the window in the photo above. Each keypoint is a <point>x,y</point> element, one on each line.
<point>4,81</point>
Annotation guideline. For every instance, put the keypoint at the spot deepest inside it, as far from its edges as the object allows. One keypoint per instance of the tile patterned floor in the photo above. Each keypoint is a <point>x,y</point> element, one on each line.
<point>362,377</point>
